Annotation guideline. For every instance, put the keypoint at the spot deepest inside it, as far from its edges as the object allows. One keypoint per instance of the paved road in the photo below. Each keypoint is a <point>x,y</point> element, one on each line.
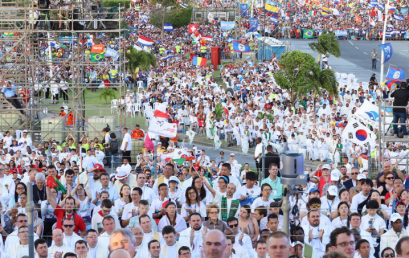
<point>355,56</point>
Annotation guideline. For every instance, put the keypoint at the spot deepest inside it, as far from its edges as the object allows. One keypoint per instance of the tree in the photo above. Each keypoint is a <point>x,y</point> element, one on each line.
<point>327,44</point>
<point>167,7</point>
<point>295,74</point>
<point>218,110</point>
<point>106,94</point>
<point>139,59</point>
<point>178,17</point>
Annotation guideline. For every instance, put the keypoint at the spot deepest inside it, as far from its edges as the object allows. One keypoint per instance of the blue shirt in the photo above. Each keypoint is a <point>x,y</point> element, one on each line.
<point>113,193</point>
<point>9,92</point>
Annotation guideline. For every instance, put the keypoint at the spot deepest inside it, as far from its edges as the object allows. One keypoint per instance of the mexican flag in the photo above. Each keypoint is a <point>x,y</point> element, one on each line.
<point>53,182</point>
<point>225,108</point>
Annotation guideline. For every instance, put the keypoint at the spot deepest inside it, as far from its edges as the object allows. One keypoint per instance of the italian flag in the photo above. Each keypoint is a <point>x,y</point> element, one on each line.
<point>225,108</point>
<point>53,182</point>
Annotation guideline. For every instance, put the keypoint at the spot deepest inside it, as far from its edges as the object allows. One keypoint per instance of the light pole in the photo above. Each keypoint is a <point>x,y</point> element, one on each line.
<point>383,40</point>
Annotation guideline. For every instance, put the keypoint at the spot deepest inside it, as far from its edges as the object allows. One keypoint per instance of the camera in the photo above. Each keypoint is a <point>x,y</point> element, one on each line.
<point>293,169</point>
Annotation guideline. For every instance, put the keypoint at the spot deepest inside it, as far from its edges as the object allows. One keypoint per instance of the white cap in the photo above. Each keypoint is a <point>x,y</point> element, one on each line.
<point>174,179</point>
<point>360,177</point>
<point>121,174</point>
<point>326,166</point>
<point>297,243</point>
<point>394,217</point>
<point>231,154</point>
<point>332,190</point>
<point>335,175</point>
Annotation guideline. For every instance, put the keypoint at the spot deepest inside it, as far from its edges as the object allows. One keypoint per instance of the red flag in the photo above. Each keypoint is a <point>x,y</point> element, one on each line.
<point>148,144</point>
<point>191,57</point>
<point>373,14</point>
<point>193,28</point>
<point>196,167</point>
<point>408,17</point>
<point>196,33</point>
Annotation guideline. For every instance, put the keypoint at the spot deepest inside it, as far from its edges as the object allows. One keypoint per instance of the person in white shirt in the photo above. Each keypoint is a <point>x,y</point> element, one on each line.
<point>249,192</point>
<point>316,234</point>
<point>96,222</point>
<point>20,248</point>
<point>25,140</point>
<point>13,238</point>
<point>70,237</point>
<point>391,238</point>
<point>366,186</point>
<point>131,209</point>
<point>148,233</point>
<point>363,249</point>
<point>372,222</point>
<point>193,235</point>
<point>154,249</point>
<point>171,246</point>
<point>355,223</point>
<point>58,243</point>
<point>329,203</point>
<point>126,146</point>
<point>41,249</point>
<point>81,249</point>
<point>147,192</point>
<point>7,182</point>
<point>242,239</point>
<point>96,250</point>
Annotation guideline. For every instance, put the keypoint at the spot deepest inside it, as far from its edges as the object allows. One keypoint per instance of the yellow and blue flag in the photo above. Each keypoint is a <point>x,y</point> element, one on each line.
<point>271,10</point>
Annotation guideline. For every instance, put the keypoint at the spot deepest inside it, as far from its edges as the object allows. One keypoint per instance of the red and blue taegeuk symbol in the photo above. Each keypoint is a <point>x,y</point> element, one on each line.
<point>361,135</point>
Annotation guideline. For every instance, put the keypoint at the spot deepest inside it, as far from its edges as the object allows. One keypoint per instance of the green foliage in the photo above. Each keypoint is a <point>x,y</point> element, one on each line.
<point>219,110</point>
<point>296,73</point>
<point>106,94</point>
<point>270,117</point>
<point>115,3</point>
<point>327,44</point>
<point>142,59</point>
<point>325,79</point>
<point>177,17</point>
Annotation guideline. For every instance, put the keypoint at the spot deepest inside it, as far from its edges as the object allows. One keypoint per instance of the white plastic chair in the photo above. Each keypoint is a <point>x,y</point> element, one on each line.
<point>18,134</point>
<point>140,85</point>
<point>114,106</point>
<point>45,110</point>
<point>136,108</point>
<point>364,163</point>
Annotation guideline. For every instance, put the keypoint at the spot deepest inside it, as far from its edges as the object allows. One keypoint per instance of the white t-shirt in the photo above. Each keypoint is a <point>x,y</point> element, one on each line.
<point>127,138</point>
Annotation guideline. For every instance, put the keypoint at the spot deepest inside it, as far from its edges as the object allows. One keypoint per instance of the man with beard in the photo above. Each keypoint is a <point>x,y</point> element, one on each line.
<point>68,212</point>
<point>316,233</point>
<point>193,235</point>
<point>229,206</point>
<point>95,173</point>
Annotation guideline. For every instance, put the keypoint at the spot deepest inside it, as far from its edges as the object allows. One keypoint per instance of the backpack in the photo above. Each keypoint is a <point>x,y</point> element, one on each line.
<point>113,146</point>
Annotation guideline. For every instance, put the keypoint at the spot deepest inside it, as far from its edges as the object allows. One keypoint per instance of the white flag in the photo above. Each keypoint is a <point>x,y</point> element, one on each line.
<point>357,133</point>
<point>369,114</point>
<point>371,21</point>
<point>162,127</point>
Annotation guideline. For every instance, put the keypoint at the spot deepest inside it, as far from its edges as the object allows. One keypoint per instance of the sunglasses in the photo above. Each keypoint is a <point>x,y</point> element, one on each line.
<point>21,221</point>
<point>233,226</point>
<point>354,173</point>
<point>389,178</point>
<point>315,205</point>
<point>68,226</point>
<point>389,255</point>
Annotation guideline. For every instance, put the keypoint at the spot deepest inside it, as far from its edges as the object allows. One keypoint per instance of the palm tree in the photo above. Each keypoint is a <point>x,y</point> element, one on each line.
<point>327,44</point>
<point>106,94</point>
<point>139,59</point>
<point>219,110</point>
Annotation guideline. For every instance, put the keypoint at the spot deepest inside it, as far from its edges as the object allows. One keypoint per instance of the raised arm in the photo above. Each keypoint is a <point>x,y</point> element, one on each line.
<point>50,198</point>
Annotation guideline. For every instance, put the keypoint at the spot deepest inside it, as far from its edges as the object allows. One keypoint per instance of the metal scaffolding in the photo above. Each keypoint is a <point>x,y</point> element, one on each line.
<point>27,62</point>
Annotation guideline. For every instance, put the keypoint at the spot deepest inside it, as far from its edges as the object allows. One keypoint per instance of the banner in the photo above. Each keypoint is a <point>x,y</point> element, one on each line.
<point>396,74</point>
<point>404,11</point>
<point>357,133</point>
<point>253,24</point>
<point>243,9</point>
<point>162,127</point>
<point>308,34</point>
<point>369,114</point>
<point>387,51</point>
<point>242,48</point>
<point>341,33</point>
<point>227,25</point>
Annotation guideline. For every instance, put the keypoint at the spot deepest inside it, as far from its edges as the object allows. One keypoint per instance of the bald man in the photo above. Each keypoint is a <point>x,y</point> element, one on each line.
<point>214,244</point>
<point>119,253</point>
<point>139,247</point>
<point>59,245</point>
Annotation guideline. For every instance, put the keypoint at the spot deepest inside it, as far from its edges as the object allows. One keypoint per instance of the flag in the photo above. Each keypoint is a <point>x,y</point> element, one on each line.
<point>392,9</point>
<point>227,25</point>
<point>197,6</point>
<point>350,6</point>
<point>312,13</point>
<point>326,10</point>
<point>336,2</point>
<point>253,24</point>
<point>381,6</point>
<point>199,61</point>
<point>53,182</point>
<point>145,41</point>
<point>397,74</point>
<point>207,38</point>
<point>274,19</point>
<point>97,57</point>
<point>226,110</point>
<point>372,4</point>
<point>301,3</point>
<point>243,9</point>
<point>357,133</point>
<point>167,27</point>
<point>371,21</point>
<point>270,10</point>
<point>297,32</point>
<point>308,34</point>
<point>179,161</point>
<point>160,110</point>
<point>162,127</point>
<point>111,53</point>
<point>357,19</point>
<point>373,14</point>
<point>325,15</point>
<point>398,17</point>
<point>210,16</point>
<point>90,40</point>
<point>193,28</point>
<point>148,144</point>
<point>61,45</point>
<point>184,5</point>
<point>238,47</point>
<point>387,51</point>
<point>97,48</point>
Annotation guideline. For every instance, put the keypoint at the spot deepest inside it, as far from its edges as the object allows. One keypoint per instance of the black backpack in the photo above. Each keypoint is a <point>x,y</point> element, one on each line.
<point>113,146</point>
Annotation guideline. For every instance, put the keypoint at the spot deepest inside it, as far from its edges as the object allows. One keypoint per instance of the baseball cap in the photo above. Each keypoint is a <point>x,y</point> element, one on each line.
<point>361,177</point>
<point>332,190</point>
<point>174,179</point>
<point>395,217</point>
<point>222,152</point>
<point>335,175</point>
<point>231,154</point>
<point>314,190</point>
<point>326,166</point>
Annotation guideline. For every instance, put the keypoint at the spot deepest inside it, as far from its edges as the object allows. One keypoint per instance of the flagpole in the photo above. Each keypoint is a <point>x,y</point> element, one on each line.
<point>383,41</point>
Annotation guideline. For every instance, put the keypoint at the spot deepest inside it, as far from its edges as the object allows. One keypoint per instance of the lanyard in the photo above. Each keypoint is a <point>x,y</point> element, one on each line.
<point>38,194</point>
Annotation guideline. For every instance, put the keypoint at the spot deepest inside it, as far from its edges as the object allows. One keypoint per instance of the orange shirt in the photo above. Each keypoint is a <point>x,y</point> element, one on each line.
<point>137,134</point>
<point>62,113</point>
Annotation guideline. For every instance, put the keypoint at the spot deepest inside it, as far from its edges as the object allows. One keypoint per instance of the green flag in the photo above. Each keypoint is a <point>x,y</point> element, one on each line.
<point>61,45</point>
<point>308,34</point>
<point>97,57</point>
<point>180,161</point>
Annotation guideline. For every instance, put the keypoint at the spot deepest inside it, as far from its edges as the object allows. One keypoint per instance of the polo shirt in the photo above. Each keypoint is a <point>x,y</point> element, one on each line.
<point>276,185</point>
<point>79,224</point>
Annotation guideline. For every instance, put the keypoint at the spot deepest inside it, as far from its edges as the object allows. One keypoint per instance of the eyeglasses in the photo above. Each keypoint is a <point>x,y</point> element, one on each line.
<point>344,244</point>
<point>234,225</point>
<point>389,255</point>
<point>20,188</point>
<point>315,205</point>
<point>21,221</point>
<point>389,178</point>
<point>354,173</point>
<point>68,226</point>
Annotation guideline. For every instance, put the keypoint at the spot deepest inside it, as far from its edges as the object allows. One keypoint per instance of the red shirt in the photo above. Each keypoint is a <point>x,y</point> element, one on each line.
<point>322,183</point>
<point>78,221</point>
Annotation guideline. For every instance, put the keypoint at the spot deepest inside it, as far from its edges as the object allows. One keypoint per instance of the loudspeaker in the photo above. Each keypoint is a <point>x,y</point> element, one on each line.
<point>76,14</point>
<point>78,26</point>
<point>407,81</point>
<point>42,4</point>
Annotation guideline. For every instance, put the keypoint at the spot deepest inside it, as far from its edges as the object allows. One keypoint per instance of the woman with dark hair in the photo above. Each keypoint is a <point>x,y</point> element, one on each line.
<point>125,198</point>
<point>171,217</point>
<point>15,202</point>
<point>343,216</point>
<point>223,181</point>
<point>375,196</point>
<point>84,198</point>
<point>204,193</point>
<point>192,204</point>
<point>247,223</point>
